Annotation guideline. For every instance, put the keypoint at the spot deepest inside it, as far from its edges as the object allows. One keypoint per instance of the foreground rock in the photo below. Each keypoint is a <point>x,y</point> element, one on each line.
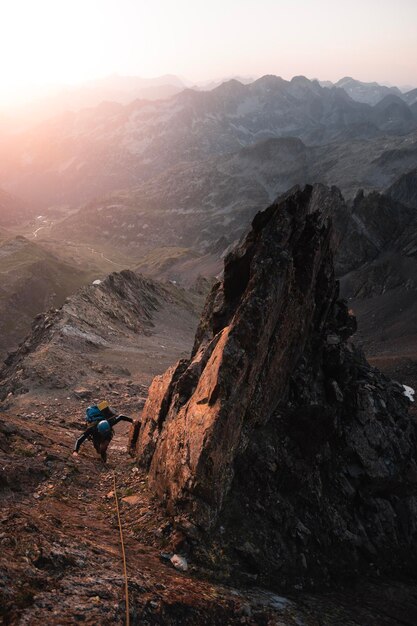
<point>281,452</point>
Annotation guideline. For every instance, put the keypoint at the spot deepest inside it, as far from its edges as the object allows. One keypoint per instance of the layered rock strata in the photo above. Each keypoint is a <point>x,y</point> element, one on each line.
<point>276,444</point>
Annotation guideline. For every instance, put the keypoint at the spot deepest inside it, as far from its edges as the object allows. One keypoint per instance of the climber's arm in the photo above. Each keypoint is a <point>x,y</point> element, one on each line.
<point>120,418</point>
<point>83,437</point>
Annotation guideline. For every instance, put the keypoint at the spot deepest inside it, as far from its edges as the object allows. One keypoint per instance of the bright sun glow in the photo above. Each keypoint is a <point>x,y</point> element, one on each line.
<point>62,41</point>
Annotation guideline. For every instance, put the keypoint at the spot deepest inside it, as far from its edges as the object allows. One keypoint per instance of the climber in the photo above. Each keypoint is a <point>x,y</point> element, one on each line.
<point>101,432</point>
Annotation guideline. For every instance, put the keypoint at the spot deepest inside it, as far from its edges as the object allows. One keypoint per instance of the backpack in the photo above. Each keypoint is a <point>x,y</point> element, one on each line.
<point>93,414</point>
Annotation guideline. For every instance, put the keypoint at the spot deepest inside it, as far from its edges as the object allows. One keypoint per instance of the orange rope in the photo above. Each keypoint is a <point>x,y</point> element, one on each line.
<point>123,550</point>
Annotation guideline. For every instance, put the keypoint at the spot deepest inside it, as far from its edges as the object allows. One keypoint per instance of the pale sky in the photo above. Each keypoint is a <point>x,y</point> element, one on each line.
<point>71,41</point>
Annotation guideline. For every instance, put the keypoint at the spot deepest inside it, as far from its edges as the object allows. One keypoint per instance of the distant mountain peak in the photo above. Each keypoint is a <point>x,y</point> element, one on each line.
<point>270,79</point>
<point>232,85</point>
<point>301,80</point>
<point>368,93</point>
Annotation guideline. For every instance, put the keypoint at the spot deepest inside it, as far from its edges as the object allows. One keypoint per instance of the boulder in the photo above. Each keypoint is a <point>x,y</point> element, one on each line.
<point>276,435</point>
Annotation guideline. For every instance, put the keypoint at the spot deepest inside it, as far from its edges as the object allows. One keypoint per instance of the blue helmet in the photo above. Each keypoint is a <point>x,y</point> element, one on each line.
<point>103,427</point>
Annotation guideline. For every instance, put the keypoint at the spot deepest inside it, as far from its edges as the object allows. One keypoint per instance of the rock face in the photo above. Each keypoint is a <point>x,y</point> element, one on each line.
<point>377,266</point>
<point>78,344</point>
<point>405,189</point>
<point>276,444</point>
<point>375,226</point>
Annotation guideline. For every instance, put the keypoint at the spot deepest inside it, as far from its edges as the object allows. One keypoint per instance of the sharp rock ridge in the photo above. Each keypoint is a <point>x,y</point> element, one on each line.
<point>276,446</point>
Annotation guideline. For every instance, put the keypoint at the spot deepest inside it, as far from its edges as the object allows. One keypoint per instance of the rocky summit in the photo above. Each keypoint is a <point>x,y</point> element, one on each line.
<point>283,456</point>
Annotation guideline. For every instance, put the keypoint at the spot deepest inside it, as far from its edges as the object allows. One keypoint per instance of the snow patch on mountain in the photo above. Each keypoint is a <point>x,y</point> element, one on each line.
<point>409,392</point>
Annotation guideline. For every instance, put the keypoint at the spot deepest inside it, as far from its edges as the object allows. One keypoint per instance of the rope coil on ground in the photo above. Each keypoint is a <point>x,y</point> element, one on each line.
<point>123,551</point>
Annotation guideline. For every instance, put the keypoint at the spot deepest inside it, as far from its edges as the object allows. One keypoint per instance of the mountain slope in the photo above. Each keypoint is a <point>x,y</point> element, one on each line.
<point>179,226</point>
<point>376,222</point>
<point>111,89</point>
<point>122,324</point>
<point>205,206</point>
<point>410,97</point>
<point>372,165</point>
<point>190,205</point>
<point>13,211</point>
<point>58,566</point>
<point>378,268</point>
<point>405,189</point>
<point>369,93</point>
<point>32,280</point>
<point>5,234</point>
<point>393,115</point>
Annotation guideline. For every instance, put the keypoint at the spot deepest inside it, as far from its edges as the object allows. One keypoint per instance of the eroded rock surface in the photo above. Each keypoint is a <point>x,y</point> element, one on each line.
<point>277,447</point>
<point>100,331</point>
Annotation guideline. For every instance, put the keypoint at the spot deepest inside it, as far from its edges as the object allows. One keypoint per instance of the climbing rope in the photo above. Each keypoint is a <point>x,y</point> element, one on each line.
<point>123,550</point>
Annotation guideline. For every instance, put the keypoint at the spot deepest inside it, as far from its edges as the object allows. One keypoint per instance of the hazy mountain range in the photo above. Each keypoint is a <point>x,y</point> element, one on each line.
<point>124,89</point>
<point>371,93</point>
<point>199,204</point>
<point>167,186</point>
<point>78,156</point>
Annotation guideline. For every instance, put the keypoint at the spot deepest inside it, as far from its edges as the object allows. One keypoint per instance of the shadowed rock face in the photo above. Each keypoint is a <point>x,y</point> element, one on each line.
<point>276,438</point>
<point>404,189</point>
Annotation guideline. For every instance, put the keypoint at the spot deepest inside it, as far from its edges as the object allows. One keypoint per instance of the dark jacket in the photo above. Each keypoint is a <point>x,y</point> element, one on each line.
<point>93,431</point>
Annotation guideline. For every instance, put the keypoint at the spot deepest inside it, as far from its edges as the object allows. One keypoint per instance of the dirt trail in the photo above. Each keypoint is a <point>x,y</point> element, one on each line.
<point>66,546</point>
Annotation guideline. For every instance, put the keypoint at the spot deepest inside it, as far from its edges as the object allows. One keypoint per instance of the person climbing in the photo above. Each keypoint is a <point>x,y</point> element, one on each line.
<point>102,419</point>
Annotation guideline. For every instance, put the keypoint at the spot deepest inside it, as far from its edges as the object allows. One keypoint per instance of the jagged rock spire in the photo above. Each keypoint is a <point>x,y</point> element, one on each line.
<point>277,438</point>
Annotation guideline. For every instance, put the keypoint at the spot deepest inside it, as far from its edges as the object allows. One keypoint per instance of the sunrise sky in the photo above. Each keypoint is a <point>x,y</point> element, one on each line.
<point>44,42</point>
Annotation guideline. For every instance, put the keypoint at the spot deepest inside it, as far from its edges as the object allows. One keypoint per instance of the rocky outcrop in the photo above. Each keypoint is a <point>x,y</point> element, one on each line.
<point>369,229</point>
<point>404,189</point>
<point>65,347</point>
<point>377,266</point>
<point>276,446</point>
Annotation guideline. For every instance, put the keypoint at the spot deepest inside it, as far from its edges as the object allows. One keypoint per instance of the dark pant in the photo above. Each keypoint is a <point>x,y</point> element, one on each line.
<point>101,443</point>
